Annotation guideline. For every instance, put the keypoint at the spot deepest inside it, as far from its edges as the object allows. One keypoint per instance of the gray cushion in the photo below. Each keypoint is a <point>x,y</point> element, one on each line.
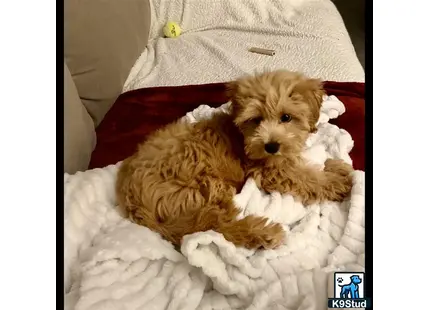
<point>103,39</point>
<point>79,134</point>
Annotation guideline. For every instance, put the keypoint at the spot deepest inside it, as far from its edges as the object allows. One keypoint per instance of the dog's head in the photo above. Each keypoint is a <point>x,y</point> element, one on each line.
<point>355,279</point>
<point>275,111</point>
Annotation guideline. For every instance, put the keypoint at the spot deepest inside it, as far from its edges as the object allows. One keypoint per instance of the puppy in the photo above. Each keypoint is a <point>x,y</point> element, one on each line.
<point>183,178</point>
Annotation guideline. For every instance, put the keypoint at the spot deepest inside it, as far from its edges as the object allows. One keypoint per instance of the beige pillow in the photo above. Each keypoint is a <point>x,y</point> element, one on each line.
<point>79,134</point>
<point>103,39</point>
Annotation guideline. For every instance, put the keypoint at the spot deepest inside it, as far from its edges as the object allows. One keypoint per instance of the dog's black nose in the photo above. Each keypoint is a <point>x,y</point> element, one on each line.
<point>272,147</point>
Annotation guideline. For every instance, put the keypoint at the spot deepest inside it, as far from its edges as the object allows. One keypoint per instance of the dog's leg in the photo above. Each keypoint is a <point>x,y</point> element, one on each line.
<point>337,180</point>
<point>311,185</point>
<point>354,292</point>
<point>250,232</point>
<point>344,292</point>
<point>348,292</point>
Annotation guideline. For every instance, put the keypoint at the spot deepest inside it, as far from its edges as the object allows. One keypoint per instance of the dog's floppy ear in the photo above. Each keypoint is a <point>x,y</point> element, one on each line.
<point>313,92</point>
<point>231,89</point>
<point>232,95</point>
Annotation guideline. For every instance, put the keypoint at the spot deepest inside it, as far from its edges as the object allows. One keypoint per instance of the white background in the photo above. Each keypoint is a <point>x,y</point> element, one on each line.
<point>27,155</point>
<point>401,154</point>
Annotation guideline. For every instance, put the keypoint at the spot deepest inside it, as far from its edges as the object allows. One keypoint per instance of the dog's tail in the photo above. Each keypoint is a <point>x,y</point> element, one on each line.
<point>250,231</point>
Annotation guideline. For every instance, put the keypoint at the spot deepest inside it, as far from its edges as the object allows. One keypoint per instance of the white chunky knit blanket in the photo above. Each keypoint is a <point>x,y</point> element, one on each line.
<point>111,263</point>
<point>307,35</point>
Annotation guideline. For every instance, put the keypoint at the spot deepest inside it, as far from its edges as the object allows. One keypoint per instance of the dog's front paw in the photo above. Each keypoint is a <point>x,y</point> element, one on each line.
<point>338,166</point>
<point>270,187</point>
<point>339,183</point>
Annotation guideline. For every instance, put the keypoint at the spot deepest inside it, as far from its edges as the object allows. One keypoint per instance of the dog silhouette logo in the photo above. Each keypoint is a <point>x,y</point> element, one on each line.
<point>349,285</point>
<point>348,291</point>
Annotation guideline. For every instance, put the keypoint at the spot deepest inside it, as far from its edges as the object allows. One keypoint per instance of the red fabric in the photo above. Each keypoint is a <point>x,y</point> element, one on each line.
<point>137,113</point>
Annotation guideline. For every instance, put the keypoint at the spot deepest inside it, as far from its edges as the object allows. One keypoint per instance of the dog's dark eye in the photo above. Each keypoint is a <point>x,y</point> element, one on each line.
<point>285,118</point>
<point>257,120</point>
